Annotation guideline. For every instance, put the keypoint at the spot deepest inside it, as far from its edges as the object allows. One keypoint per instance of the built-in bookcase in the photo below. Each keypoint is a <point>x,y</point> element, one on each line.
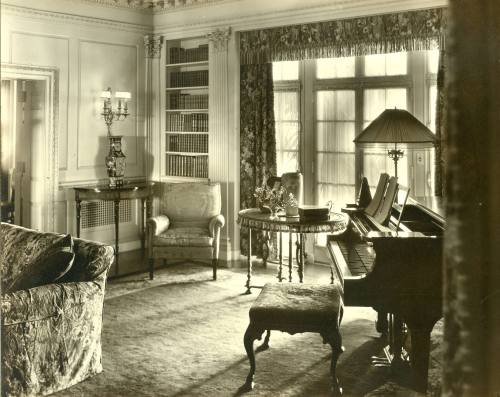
<point>186,113</point>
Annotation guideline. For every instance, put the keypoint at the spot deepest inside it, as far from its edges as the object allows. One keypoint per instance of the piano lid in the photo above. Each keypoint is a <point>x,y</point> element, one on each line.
<point>433,205</point>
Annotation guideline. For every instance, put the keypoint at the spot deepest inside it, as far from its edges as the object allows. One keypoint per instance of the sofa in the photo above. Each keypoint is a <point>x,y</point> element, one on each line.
<point>51,333</point>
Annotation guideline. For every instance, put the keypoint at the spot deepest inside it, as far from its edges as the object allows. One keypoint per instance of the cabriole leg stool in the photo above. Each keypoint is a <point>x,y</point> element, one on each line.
<point>296,308</point>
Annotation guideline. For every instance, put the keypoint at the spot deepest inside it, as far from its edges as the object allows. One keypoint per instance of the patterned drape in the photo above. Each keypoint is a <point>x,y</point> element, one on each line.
<point>404,31</point>
<point>257,139</point>
<point>441,135</point>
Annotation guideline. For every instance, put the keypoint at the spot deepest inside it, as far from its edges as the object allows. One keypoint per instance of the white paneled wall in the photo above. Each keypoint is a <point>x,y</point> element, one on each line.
<point>91,51</point>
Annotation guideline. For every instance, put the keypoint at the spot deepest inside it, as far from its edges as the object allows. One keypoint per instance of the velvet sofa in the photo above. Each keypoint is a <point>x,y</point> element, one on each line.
<point>50,334</point>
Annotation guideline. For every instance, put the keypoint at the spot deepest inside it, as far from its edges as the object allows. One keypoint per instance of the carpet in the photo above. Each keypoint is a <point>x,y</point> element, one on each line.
<point>182,335</point>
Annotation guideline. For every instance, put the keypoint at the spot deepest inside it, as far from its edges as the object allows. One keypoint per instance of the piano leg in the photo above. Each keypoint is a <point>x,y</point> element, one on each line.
<point>382,324</point>
<point>396,343</point>
<point>419,356</point>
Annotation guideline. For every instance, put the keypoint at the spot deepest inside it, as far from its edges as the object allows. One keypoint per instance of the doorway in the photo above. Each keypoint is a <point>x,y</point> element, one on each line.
<point>28,146</point>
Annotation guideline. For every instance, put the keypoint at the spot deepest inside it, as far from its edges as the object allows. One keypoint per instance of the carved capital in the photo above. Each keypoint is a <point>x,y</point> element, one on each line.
<point>219,38</point>
<point>152,45</point>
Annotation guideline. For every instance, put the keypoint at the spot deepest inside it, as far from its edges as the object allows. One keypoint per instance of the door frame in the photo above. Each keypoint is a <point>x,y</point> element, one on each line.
<point>43,211</point>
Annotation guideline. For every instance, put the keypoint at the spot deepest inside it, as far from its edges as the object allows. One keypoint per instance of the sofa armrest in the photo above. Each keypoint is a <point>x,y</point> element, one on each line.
<point>216,223</point>
<point>158,224</point>
<point>50,300</point>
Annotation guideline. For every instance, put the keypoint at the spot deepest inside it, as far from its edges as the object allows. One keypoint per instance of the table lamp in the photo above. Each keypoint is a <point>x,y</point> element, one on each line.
<point>395,129</point>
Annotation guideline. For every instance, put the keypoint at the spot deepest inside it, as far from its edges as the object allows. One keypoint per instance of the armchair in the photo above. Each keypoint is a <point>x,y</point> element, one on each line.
<point>51,334</point>
<point>188,226</point>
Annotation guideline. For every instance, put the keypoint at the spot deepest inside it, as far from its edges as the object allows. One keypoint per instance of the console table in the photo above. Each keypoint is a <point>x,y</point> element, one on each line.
<point>255,219</point>
<point>129,191</point>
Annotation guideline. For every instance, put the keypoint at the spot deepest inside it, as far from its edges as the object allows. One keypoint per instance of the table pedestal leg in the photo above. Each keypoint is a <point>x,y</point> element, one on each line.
<point>280,267</point>
<point>290,257</point>
<point>300,258</point>
<point>249,262</point>
<point>143,221</point>
<point>265,248</point>
<point>78,210</point>
<point>117,222</point>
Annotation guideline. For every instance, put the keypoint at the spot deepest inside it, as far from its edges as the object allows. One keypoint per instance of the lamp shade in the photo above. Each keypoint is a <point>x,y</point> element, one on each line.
<point>123,95</point>
<point>106,94</point>
<point>396,126</point>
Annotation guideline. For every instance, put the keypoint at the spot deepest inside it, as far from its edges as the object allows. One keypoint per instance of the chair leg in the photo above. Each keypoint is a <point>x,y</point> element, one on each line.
<point>214,267</point>
<point>248,339</point>
<point>265,344</point>
<point>334,339</point>
<point>151,268</point>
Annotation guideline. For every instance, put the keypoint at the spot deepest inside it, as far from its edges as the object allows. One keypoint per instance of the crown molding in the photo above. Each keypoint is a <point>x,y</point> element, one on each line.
<point>169,25</point>
<point>64,17</point>
<point>171,8</point>
<point>154,6</point>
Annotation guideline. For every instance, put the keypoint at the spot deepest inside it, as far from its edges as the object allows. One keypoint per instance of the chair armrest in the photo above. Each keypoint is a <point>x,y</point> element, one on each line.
<point>158,224</point>
<point>216,223</point>
<point>49,300</point>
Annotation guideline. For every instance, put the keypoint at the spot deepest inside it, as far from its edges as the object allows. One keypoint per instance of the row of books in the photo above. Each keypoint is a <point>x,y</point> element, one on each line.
<point>186,101</point>
<point>183,55</point>
<point>193,78</point>
<point>194,122</point>
<point>191,166</point>
<point>187,143</point>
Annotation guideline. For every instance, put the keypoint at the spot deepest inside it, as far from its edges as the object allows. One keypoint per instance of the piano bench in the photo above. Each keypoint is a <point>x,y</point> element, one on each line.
<point>296,308</point>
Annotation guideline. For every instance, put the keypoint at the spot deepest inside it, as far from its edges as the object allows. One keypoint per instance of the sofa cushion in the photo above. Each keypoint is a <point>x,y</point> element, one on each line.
<point>19,247</point>
<point>49,266</point>
<point>185,236</point>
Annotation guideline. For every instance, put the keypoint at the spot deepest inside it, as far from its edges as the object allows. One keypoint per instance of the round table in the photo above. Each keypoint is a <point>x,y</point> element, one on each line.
<point>255,219</point>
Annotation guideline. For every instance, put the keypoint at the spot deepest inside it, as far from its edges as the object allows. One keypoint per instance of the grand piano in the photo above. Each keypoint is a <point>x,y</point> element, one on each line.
<point>395,267</point>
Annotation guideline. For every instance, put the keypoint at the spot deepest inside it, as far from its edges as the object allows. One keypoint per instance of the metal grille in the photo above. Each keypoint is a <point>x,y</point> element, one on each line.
<point>101,213</point>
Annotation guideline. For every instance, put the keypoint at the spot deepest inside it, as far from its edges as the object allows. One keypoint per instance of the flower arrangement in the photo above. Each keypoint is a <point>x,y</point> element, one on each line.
<point>274,199</point>
<point>271,198</point>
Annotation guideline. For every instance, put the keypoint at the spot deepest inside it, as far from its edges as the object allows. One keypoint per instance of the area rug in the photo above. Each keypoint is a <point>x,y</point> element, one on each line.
<point>182,335</point>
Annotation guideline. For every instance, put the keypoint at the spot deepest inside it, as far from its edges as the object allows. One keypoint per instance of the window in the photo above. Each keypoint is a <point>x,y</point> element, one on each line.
<point>286,115</point>
<point>322,104</point>
<point>335,157</point>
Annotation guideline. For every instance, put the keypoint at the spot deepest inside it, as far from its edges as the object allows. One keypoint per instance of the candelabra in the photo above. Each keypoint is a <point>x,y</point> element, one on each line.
<point>115,160</point>
<point>121,111</point>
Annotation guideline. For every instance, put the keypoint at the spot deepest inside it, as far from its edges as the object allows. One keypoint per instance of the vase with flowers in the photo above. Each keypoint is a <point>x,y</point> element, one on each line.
<point>269,200</point>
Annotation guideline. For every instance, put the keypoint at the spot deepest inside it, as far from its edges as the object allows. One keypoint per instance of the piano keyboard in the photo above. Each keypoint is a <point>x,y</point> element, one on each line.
<point>359,257</point>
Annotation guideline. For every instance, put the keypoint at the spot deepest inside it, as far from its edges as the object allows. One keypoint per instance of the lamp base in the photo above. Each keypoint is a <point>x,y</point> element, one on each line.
<point>115,161</point>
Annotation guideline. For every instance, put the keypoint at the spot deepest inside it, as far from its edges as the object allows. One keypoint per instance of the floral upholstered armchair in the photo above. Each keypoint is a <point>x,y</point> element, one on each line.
<point>189,224</point>
<point>51,333</point>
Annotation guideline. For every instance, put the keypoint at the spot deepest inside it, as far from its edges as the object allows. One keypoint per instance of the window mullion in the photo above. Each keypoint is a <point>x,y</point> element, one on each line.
<point>358,153</point>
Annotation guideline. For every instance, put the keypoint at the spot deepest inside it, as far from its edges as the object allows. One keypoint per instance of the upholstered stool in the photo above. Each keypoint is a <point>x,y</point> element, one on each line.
<point>296,308</point>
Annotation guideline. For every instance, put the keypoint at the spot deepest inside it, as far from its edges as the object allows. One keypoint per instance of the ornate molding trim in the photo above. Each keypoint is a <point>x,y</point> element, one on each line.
<point>219,38</point>
<point>342,9</point>
<point>64,17</point>
<point>152,45</point>
<point>153,6</point>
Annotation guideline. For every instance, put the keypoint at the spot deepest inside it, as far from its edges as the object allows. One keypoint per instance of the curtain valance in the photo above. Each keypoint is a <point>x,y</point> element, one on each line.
<point>404,31</point>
